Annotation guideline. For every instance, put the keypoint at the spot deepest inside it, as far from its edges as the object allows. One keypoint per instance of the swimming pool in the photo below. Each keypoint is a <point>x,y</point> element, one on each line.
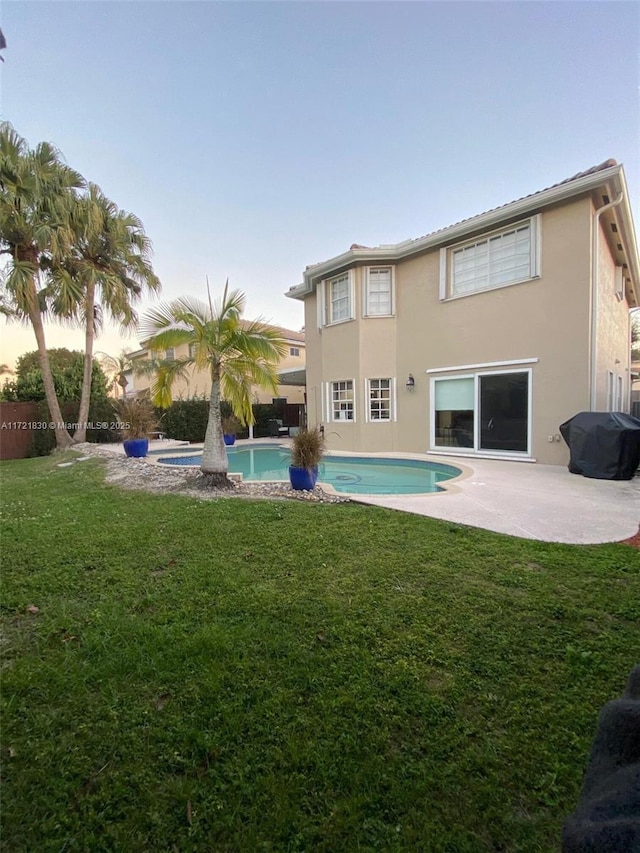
<point>348,474</point>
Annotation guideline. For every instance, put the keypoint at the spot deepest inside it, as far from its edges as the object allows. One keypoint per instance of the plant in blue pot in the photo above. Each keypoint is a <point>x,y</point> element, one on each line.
<point>137,419</point>
<point>230,426</point>
<point>307,450</point>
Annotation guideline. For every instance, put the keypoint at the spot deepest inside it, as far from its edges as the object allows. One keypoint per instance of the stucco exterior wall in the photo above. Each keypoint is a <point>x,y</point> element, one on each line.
<point>546,319</point>
<point>613,333</point>
<point>313,344</point>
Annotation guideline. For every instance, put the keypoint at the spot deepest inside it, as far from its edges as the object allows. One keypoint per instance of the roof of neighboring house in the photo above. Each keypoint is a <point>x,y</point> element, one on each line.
<point>288,334</point>
<point>606,174</point>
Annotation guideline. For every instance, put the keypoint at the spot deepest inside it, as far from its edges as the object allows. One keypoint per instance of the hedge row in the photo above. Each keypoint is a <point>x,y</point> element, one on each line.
<point>185,420</point>
<point>100,412</point>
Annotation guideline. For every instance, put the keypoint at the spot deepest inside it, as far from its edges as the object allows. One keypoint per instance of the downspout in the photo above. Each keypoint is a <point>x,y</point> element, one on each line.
<point>595,244</point>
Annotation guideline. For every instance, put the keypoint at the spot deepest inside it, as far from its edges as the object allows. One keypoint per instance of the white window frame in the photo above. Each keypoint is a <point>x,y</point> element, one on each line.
<point>171,357</point>
<point>366,310</point>
<point>392,400</point>
<point>446,259</point>
<point>610,391</point>
<point>619,393</point>
<point>331,399</point>
<point>324,300</point>
<point>475,450</point>
<point>295,351</point>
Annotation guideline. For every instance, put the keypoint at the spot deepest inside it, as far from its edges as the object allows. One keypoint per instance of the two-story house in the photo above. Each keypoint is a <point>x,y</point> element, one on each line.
<point>197,383</point>
<point>479,339</point>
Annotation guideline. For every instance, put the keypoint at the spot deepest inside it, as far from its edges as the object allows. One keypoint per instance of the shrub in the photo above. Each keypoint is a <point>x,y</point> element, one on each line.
<point>230,425</point>
<point>137,416</point>
<point>307,448</point>
<point>186,420</point>
<point>101,419</point>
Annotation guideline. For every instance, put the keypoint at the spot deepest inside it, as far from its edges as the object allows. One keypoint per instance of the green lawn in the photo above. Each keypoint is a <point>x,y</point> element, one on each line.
<point>282,676</point>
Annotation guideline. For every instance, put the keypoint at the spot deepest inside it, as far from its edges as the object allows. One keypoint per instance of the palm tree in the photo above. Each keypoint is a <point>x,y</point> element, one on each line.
<point>238,354</point>
<point>116,369</point>
<point>107,272</point>
<point>37,194</point>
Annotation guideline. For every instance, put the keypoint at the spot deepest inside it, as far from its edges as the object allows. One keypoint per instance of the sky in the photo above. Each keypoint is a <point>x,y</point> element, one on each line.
<point>255,138</point>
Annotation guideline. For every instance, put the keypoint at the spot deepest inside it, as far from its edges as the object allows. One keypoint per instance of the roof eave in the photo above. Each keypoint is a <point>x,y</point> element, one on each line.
<point>627,231</point>
<point>521,207</point>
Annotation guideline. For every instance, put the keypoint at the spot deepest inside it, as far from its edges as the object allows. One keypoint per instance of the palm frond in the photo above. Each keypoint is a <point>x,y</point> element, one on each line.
<point>167,373</point>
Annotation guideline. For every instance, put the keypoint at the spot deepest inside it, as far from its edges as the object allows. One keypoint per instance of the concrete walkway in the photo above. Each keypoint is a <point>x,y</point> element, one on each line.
<point>529,500</point>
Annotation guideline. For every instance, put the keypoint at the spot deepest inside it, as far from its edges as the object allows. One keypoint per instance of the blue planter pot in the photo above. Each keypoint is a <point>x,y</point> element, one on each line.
<point>136,447</point>
<point>229,440</point>
<point>302,479</point>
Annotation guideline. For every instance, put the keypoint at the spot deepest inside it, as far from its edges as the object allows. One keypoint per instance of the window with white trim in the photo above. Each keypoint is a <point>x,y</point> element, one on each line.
<point>610,391</point>
<point>494,260</point>
<point>378,295</point>
<point>170,354</point>
<point>379,396</point>
<point>192,350</point>
<point>339,299</point>
<point>294,350</point>
<point>342,401</point>
<point>336,299</point>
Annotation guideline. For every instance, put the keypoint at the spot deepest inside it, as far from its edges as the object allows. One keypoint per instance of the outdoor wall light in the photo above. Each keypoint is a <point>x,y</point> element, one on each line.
<point>411,382</point>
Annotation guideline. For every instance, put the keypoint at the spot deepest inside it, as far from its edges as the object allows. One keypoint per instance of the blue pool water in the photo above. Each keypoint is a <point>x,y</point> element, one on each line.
<point>349,474</point>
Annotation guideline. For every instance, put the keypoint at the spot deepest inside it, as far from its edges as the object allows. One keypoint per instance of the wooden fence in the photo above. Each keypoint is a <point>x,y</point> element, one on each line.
<point>17,425</point>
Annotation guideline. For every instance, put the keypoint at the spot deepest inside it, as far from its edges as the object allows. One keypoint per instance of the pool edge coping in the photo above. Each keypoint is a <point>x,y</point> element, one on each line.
<point>450,486</point>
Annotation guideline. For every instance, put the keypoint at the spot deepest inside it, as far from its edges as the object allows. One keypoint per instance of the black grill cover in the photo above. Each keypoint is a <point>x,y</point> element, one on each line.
<point>603,445</point>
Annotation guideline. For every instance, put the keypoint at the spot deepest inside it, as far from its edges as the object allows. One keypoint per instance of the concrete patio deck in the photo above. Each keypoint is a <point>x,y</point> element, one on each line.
<point>533,501</point>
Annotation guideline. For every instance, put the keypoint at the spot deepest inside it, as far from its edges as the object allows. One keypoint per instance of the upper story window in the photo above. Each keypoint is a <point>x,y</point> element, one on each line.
<point>294,350</point>
<point>192,350</point>
<point>170,354</point>
<point>342,401</point>
<point>336,299</point>
<point>378,292</point>
<point>339,308</point>
<point>494,260</point>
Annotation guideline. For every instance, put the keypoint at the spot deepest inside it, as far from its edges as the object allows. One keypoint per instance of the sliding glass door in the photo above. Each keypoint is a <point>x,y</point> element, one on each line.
<point>483,412</point>
<point>504,412</point>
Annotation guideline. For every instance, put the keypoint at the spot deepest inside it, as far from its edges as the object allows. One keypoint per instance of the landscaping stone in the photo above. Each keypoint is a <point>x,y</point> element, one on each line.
<point>130,473</point>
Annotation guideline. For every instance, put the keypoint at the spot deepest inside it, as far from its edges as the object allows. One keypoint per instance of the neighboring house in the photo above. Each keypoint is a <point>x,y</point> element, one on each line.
<point>482,338</point>
<point>198,382</point>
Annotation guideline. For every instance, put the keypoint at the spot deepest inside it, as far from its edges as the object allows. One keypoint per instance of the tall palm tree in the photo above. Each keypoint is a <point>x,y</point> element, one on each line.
<point>37,194</point>
<point>238,354</point>
<point>106,273</point>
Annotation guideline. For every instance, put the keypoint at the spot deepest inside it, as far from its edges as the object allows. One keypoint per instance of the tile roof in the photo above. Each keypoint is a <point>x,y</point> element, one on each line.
<point>406,245</point>
<point>607,164</point>
<point>289,334</point>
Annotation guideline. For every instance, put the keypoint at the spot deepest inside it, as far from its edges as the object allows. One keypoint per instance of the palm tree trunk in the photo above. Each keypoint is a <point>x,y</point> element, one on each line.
<point>63,439</point>
<point>214,455</point>
<point>85,397</point>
